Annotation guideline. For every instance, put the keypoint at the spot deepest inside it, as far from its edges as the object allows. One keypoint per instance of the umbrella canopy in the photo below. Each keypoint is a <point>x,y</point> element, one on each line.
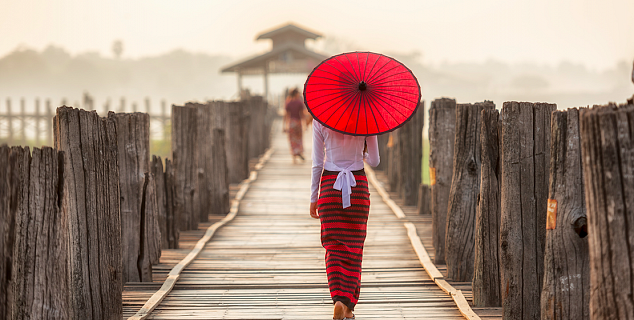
<point>361,93</point>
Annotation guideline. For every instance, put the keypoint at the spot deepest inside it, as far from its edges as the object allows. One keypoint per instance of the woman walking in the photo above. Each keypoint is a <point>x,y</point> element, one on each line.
<point>293,120</point>
<point>343,204</point>
<point>352,98</point>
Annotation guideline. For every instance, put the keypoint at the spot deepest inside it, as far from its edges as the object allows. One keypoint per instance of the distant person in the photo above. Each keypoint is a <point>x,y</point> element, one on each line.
<point>293,123</point>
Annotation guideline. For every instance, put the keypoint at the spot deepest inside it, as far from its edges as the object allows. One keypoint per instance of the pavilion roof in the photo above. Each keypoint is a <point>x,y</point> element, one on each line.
<point>289,57</point>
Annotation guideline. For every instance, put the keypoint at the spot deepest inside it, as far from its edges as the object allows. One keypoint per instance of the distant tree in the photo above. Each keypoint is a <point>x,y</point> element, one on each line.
<point>117,48</point>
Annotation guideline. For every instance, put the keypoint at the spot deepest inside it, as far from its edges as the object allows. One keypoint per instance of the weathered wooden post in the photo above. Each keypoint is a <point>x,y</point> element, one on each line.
<point>424,199</point>
<point>607,142</point>
<point>525,159</point>
<point>566,291</point>
<point>39,285</point>
<point>464,192</point>
<point>220,201</point>
<point>184,144</point>
<point>161,200</point>
<point>442,133</point>
<point>12,159</point>
<point>91,203</point>
<point>486,273</point>
<point>138,201</point>
<point>231,117</point>
<point>411,156</point>
<point>173,214</point>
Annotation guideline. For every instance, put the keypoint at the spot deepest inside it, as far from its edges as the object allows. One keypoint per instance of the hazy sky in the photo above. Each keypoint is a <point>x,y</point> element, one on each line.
<point>597,33</point>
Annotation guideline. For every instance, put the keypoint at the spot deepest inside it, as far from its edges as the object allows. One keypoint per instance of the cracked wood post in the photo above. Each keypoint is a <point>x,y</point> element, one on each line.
<point>204,137</point>
<point>172,211</point>
<point>220,202</point>
<point>442,133</point>
<point>607,142</point>
<point>411,156</point>
<point>525,158</point>
<point>91,204</point>
<point>566,290</point>
<point>184,144</point>
<point>164,181</point>
<point>39,286</point>
<point>231,117</point>
<point>13,160</point>
<point>486,274</point>
<point>138,198</point>
<point>463,195</point>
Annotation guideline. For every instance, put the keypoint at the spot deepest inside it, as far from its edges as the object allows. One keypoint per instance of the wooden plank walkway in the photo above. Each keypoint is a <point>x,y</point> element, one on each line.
<point>268,262</point>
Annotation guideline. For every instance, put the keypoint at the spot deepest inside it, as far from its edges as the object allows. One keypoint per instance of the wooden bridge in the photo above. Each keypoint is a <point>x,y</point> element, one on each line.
<point>268,263</point>
<point>95,229</point>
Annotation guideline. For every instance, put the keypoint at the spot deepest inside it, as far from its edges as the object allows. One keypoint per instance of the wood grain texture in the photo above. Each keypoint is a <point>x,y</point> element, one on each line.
<point>442,129</point>
<point>184,145</point>
<point>411,156</point>
<point>566,290</point>
<point>525,158</point>
<point>233,119</point>
<point>91,203</point>
<point>394,164</point>
<point>463,195</point>
<point>39,283</point>
<point>219,198</point>
<point>133,143</point>
<point>173,215</point>
<point>11,184</point>
<point>161,200</point>
<point>607,142</point>
<point>486,276</point>
<point>204,137</point>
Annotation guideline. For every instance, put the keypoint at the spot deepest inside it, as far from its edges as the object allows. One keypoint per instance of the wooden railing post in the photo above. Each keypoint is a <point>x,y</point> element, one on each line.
<point>184,144</point>
<point>204,136</point>
<point>39,284</point>
<point>411,156</point>
<point>173,215</point>
<point>442,129</point>
<point>12,159</point>
<point>463,195</point>
<point>220,202</point>
<point>607,142</point>
<point>91,203</point>
<point>486,274</point>
<point>394,164</point>
<point>566,291</point>
<point>138,200</point>
<point>525,159</point>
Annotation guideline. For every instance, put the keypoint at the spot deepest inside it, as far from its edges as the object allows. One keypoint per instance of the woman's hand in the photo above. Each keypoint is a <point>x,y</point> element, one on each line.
<point>313,210</point>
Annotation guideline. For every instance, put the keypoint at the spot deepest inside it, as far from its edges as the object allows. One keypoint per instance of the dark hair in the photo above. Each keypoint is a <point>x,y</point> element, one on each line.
<point>294,93</point>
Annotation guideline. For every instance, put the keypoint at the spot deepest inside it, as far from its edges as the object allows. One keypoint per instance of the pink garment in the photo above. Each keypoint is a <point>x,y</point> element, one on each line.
<point>294,108</point>
<point>340,152</point>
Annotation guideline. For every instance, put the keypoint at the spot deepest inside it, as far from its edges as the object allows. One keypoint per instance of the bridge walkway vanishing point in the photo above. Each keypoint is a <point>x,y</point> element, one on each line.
<point>268,263</point>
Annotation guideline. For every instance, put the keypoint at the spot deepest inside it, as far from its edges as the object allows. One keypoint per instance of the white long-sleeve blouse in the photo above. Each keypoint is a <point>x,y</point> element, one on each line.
<point>334,151</point>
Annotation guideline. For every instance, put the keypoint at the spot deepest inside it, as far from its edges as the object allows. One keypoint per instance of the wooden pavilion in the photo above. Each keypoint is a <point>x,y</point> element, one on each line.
<point>288,55</point>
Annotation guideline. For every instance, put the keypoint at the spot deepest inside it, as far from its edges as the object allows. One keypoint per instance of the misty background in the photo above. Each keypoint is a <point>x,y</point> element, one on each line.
<point>180,75</point>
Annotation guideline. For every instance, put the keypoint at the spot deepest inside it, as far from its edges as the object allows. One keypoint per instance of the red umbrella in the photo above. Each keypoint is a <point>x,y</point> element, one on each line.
<point>361,93</point>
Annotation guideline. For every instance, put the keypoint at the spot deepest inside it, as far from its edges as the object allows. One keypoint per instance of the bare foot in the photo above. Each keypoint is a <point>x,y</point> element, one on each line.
<point>340,310</point>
